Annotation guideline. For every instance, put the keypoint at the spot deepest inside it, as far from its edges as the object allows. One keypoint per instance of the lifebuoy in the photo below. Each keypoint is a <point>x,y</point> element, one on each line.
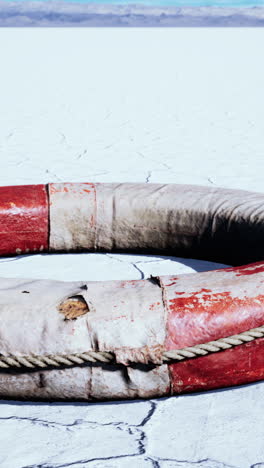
<point>135,321</point>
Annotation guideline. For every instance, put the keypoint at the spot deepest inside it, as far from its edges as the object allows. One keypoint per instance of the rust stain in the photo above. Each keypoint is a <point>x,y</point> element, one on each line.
<point>152,306</point>
<point>53,189</point>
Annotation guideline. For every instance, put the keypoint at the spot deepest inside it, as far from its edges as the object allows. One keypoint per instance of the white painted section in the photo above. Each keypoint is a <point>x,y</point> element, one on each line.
<point>72,216</point>
<point>183,106</point>
<point>127,318</point>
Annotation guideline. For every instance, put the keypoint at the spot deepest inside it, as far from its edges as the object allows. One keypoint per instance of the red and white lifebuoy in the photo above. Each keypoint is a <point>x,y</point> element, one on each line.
<point>134,320</point>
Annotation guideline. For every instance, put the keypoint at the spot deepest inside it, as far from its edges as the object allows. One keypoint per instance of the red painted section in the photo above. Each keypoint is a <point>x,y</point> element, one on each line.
<point>251,269</point>
<point>246,270</point>
<point>24,224</point>
<point>208,306</point>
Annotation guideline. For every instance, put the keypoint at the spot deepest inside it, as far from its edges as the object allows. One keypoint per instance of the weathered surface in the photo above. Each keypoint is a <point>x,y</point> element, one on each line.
<point>72,216</point>
<point>24,214</point>
<point>205,307</point>
<point>179,432</point>
<point>187,220</point>
<point>136,321</point>
<point>126,317</point>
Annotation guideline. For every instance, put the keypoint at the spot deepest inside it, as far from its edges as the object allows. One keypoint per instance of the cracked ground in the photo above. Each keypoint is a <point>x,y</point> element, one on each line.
<point>182,106</point>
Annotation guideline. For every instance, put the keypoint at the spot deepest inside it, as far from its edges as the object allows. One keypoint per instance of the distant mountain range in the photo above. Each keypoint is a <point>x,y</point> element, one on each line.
<point>61,13</point>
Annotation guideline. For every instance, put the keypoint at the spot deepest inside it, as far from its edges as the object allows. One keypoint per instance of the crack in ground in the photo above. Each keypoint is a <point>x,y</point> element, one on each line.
<point>63,137</point>
<point>141,451</point>
<point>53,175</point>
<point>83,153</point>
<point>210,180</point>
<point>63,140</point>
<point>79,422</point>
<point>167,166</point>
<point>153,407</point>
<point>156,260</point>
<point>142,274</point>
<point>148,176</point>
<point>22,161</point>
<point>82,462</point>
<point>135,264</point>
<point>132,429</point>
<point>108,115</point>
<point>204,463</point>
<point>155,463</point>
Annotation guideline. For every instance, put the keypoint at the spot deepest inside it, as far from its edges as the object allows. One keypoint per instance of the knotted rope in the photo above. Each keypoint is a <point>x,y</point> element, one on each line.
<point>103,357</point>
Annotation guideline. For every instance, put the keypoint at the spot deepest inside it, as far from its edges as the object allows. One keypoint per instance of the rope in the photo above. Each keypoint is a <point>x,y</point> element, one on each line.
<point>213,346</point>
<point>103,357</point>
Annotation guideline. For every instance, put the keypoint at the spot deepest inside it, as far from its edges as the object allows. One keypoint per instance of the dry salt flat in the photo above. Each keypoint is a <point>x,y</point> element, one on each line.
<point>182,106</point>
